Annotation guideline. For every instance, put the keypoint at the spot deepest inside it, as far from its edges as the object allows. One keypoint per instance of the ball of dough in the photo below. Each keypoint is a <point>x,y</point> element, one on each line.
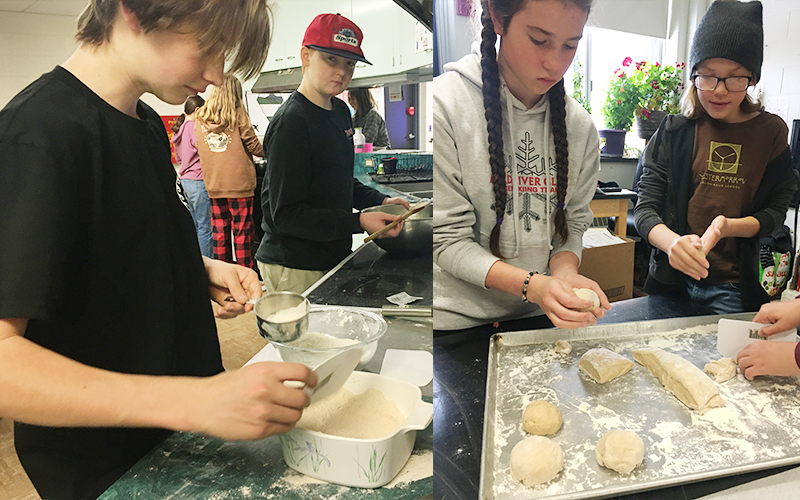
<point>621,451</point>
<point>536,460</point>
<point>541,418</point>
<point>587,294</point>
<point>562,347</point>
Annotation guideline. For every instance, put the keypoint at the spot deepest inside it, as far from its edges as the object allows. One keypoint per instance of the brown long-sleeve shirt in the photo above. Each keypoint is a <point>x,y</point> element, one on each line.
<point>226,157</point>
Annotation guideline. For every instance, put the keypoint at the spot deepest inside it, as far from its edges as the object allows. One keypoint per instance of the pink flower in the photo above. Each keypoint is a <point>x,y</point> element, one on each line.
<point>627,62</point>
<point>646,113</point>
<point>654,85</point>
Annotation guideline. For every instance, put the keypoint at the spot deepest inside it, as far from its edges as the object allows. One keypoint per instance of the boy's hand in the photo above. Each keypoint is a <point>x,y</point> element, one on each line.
<point>231,281</point>
<point>784,316</point>
<point>396,201</point>
<point>686,255</point>
<point>768,358</point>
<point>251,403</point>
<point>373,221</point>
<point>714,232</point>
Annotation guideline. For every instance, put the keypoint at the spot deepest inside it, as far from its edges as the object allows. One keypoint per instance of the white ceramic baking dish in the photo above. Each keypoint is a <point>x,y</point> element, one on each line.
<point>363,463</point>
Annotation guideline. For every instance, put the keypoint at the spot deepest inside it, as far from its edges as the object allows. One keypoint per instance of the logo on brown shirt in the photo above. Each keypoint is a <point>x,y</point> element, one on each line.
<point>723,157</point>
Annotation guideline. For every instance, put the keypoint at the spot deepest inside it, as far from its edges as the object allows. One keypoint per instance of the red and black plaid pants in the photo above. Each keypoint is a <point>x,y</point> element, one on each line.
<point>233,216</point>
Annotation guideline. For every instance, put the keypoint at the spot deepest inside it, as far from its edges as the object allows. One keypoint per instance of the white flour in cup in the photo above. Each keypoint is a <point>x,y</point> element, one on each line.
<point>288,314</point>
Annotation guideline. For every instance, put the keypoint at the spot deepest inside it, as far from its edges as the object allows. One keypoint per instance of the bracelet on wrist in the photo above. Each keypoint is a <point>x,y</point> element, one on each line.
<point>525,286</point>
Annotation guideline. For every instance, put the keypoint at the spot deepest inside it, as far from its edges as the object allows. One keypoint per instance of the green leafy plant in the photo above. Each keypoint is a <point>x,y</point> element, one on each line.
<point>577,88</point>
<point>659,87</point>
<point>649,87</point>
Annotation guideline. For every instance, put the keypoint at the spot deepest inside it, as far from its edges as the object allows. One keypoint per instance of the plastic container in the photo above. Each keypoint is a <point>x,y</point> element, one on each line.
<point>363,463</point>
<point>359,140</point>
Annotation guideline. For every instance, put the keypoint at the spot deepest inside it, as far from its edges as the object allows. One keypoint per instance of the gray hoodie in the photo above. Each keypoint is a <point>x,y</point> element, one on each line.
<point>463,216</point>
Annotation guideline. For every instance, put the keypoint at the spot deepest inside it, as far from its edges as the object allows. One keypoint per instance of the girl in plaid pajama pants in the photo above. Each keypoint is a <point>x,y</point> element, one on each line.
<point>226,144</point>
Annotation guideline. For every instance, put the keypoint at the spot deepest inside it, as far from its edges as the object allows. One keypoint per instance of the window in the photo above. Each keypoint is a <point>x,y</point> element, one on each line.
<point>600,53</point>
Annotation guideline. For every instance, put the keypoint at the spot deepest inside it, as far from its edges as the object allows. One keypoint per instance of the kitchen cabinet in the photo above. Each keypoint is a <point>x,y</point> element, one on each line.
<point>389,34</point>
<point>375,18</point>
<point>290,20</point>
<point>406,53</point>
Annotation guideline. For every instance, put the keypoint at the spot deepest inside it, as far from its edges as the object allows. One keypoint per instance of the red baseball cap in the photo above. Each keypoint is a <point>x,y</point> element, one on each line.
<point>337,35</point>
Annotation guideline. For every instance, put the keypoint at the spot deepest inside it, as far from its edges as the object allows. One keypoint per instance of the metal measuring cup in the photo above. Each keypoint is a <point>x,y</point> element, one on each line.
<point>286,331</point>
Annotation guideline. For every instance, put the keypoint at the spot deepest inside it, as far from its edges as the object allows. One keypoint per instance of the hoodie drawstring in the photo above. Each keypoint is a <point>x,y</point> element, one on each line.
<point>514,195</point>
<point>548,178</point>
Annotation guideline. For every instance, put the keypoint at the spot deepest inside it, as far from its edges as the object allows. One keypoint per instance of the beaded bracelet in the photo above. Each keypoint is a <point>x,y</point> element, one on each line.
<point>525,286</point>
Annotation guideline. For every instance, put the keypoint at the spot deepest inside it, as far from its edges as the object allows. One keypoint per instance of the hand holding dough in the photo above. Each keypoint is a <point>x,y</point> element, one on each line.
<point>621,451</point>
<point>541,418</point>
<point>603,365</point>
<point>590,295</point>
<point>536,460</point>
<point>680,377</point>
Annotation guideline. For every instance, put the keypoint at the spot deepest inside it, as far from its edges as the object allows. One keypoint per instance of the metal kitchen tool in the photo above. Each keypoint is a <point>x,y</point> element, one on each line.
<point>733,335</point>
<point>285,331</point>
<point>333,373</point>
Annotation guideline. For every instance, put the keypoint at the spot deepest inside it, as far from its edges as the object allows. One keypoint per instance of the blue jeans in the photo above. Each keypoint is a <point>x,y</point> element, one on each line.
<point>200,208</point>
<point>725,298</point>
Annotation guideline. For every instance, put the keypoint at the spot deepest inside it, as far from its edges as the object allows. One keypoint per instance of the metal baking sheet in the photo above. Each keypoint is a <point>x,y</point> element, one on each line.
<point>757,428</point>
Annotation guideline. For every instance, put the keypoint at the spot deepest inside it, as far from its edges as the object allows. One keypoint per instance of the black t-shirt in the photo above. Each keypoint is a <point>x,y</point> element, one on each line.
<point>98,251</point>
<point>309,191</point>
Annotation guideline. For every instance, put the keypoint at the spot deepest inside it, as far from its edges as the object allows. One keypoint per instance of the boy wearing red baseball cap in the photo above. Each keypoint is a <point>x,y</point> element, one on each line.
<point>309,191</point>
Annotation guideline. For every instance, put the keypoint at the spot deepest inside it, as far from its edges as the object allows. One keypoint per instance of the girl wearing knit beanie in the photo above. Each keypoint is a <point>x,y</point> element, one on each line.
<point>718,177</point>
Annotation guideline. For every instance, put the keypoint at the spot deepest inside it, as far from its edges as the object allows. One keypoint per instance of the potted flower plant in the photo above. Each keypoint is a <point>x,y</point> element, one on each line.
<point>649,93</point>
<point>659,90</point>
<point>622,98</point>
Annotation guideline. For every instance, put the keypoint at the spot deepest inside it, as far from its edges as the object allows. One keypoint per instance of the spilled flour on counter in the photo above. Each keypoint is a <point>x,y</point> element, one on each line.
<point>316,340</point>
<point>760,421</point>
<point>367,415</point>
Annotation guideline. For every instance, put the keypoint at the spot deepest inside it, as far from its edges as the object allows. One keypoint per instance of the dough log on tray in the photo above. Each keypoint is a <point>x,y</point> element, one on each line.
<point>603,364</point>
<point>686,381</point>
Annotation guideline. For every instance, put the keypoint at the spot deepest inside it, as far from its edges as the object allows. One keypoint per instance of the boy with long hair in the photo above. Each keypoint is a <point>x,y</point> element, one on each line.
<point>107,337</point>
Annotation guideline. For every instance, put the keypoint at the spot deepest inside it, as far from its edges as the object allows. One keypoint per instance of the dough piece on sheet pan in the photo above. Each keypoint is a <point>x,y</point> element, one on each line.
<point>680,377</point>
<point>621,451</point>
<point>722,369</point>
<point>603,365</point>
<point>541,418</point>
<point>536,460</point>
<point>562,347</point>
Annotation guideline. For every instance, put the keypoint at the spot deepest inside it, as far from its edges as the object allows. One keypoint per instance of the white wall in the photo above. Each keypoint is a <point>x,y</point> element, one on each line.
<point>30,45</point>
<point>780,74</point>
<point>33,44</point>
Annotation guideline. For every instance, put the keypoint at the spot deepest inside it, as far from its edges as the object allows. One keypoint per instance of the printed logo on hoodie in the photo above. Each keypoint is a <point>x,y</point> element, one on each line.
<point>217,143</point>
<point>535,175</point>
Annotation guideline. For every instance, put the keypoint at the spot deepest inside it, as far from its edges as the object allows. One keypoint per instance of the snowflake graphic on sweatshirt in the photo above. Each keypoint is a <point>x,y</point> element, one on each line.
<point>532,182</point>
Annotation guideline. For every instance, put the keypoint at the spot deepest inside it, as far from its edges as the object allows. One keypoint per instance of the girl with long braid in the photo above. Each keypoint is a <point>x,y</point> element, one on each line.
<point>515,168</point>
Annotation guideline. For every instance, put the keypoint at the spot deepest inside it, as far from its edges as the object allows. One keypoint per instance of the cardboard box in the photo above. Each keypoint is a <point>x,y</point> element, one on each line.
<point>611,266</point>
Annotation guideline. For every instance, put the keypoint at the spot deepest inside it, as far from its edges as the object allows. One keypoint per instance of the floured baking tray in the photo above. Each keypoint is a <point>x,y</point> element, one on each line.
<point>757,428</point>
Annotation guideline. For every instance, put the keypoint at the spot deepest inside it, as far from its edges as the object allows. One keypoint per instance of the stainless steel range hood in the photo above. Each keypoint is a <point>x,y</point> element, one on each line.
<point>287,80</point>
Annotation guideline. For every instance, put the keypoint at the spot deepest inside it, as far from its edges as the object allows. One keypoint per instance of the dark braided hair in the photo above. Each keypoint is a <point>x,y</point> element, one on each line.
<point>189,106</point>
<point>504,10</point>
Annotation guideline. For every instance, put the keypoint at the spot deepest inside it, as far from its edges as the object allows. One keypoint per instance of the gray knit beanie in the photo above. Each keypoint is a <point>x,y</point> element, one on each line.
<point>730,30</point>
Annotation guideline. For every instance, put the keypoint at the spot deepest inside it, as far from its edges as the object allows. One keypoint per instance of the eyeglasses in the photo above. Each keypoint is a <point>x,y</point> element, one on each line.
<point>732,83</point>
